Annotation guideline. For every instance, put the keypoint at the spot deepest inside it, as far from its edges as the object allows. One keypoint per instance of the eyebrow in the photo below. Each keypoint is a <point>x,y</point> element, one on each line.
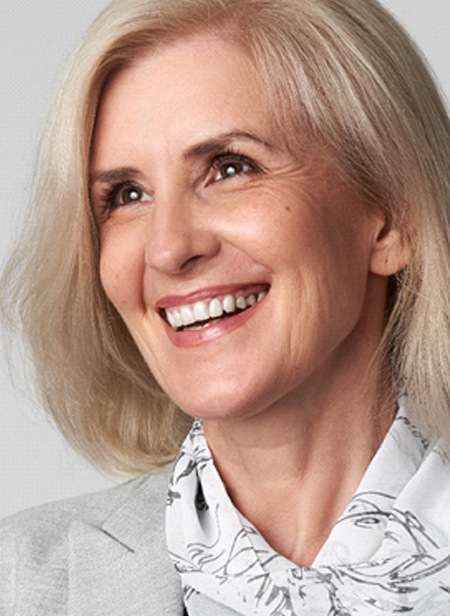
<point>114,175</point>
<point>220,143</point>
<point>208,147</point>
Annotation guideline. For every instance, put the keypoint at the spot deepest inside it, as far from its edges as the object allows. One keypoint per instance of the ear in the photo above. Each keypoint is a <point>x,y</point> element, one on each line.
<point>391,250</point>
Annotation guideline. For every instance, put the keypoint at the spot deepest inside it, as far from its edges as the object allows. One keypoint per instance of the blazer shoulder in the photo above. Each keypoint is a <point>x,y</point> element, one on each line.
<point>93,508</point>
<point>34,544</point>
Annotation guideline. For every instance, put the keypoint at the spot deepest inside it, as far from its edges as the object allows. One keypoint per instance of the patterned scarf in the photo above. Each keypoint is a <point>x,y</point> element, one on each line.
<point>389,552</point>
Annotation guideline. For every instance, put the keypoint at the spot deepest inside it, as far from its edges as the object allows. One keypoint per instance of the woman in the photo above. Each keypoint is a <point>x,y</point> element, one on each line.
<point>243,219</point>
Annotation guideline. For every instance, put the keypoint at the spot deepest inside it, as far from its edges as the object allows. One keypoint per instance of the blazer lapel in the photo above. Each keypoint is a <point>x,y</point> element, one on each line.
<point>122,567</point>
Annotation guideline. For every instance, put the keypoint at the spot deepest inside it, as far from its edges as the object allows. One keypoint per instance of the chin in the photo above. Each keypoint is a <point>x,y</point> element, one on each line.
<point>216,407</point>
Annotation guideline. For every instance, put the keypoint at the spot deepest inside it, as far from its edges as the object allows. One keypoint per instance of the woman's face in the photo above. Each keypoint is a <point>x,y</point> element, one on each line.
<point>242,271</point>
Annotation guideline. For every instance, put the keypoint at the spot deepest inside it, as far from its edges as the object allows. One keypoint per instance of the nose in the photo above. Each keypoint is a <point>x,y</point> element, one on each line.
<point>180,237</point>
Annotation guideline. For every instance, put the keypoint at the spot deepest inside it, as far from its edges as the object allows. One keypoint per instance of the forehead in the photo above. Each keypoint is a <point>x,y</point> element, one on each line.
<point>201,84</point>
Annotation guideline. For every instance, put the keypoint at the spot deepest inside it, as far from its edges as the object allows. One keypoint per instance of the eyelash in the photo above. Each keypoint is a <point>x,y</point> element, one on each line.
<point>111,194</point>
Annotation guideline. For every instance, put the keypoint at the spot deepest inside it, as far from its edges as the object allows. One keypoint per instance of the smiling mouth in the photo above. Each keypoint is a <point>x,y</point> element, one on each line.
<point>202,314</point>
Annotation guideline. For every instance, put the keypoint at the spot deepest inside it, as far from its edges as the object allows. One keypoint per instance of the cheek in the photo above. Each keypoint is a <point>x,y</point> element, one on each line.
<point>121,272</point>
<point>331,254</point>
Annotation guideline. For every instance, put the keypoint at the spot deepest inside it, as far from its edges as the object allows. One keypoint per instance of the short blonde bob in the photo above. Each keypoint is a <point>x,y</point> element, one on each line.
<point>339,73</point>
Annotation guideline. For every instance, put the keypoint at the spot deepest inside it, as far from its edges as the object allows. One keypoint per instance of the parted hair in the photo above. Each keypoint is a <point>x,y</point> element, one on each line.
<point>340,74</point>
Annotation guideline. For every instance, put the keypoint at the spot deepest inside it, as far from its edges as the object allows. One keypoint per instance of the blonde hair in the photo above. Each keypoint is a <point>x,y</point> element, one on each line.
<point>340,73</point>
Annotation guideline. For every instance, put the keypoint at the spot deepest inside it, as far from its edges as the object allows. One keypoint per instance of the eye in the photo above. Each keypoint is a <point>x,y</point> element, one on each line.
<point>122,195</point>
<point>231,169</point>
<point>230,165</point>
<point>129,194</point>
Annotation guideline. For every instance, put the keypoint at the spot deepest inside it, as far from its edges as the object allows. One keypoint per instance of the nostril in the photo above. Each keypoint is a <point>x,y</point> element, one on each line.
<point>189,262</point>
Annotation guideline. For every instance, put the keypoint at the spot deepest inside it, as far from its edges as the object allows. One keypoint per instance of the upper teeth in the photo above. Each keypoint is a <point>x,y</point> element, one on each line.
<point>203,311</point>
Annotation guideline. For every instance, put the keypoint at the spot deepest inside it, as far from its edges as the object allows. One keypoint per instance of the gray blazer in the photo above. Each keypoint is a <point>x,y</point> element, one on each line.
<point>102,554</point>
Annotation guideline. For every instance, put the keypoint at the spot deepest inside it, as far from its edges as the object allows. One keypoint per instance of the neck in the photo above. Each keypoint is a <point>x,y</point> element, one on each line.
<point>292,469</point>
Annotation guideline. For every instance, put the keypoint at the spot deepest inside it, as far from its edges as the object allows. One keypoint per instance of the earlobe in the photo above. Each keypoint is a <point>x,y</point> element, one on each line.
<point>391,252</point>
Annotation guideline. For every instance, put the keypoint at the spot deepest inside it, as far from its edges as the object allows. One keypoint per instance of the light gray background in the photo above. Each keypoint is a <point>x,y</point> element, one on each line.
<point>36,37</point>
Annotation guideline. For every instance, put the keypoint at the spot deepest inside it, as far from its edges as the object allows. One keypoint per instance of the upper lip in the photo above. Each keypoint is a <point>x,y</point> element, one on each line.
<point>209,293</point>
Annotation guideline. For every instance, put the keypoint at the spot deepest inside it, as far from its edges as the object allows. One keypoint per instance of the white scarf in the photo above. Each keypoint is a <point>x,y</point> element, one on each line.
<point>389,552</point>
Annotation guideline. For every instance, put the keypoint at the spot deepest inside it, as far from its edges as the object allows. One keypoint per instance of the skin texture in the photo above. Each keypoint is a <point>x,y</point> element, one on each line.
<point>288,401</point>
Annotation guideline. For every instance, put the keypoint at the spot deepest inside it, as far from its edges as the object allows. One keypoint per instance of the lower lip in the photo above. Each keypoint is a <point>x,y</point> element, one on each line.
<point>190,338</point>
